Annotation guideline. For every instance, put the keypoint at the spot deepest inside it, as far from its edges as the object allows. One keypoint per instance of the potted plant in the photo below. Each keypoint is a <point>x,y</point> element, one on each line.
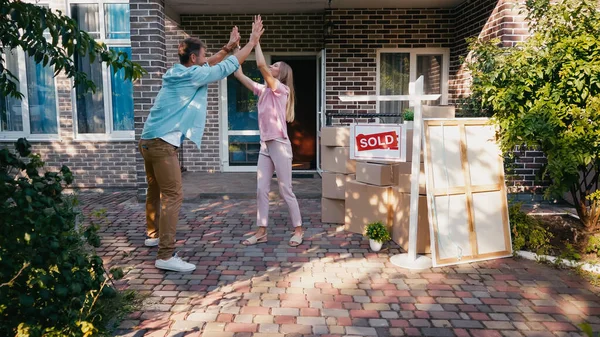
<point>378,234</point>
<point>408,116</point>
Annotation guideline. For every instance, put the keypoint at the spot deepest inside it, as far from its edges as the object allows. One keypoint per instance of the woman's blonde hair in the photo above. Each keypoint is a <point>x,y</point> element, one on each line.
<point>286,76</point>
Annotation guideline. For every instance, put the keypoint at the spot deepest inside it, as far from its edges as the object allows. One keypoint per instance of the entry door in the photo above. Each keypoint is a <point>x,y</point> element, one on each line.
<point>240,137</point>
<point>303,130</point>
<point>321,118</point>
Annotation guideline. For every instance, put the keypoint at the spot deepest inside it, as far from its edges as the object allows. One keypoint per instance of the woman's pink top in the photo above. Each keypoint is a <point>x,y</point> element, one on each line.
<point>271,111</point>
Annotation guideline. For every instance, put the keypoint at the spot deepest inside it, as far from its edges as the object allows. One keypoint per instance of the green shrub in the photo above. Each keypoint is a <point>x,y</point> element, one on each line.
<point>527,232</point>
<point>378,232</point>
<point>593,245</point>
<point>408,115</point>
<point>544,93</point>
<point>569,253</point>
<point>587,329</point>
<point>51,281</point>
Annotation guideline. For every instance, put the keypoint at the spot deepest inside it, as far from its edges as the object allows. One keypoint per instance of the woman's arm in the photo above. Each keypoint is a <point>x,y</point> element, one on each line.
<point>257,31</point>
<point>264,69</point>
<point>245,80</point>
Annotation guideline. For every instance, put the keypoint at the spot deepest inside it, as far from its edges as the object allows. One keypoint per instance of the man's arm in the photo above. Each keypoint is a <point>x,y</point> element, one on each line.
<point>234,40</point>
<point>205,75</point>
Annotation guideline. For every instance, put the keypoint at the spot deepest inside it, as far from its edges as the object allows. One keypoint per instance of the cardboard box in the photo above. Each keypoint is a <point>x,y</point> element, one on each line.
<point>333,185</point>
<point>377,173</point>
<point>332,211</point>
<point>406,168</point>
<point>365,204</point>
<point>335,136</point>
<point>441,111</point>
<point>401,222</point>
<point>403,184</point>
<point>337,159</point>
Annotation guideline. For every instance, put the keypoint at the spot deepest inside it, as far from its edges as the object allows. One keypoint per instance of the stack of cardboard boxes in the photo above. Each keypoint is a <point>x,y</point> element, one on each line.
<point>338,170</point>
<point>377,191</point>
<point>381,192</point>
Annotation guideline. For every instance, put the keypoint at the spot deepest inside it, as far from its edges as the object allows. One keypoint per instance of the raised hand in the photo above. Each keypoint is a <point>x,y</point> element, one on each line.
<point>257,29</point>
<point>234,38</point>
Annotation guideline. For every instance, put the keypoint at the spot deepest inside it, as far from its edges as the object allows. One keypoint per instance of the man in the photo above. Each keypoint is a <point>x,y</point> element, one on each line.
<point>180,111</point>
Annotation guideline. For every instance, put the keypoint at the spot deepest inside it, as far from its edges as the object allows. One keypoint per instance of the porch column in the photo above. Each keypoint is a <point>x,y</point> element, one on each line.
<point>148,49</point>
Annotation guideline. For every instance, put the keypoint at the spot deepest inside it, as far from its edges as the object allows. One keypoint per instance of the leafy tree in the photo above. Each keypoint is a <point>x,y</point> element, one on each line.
<point>51,281</point>
<point>23,25</point>
<point>545,93</point>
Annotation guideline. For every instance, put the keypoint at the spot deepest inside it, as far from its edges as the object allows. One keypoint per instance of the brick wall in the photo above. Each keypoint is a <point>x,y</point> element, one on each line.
<point>283,33</point>
<point>488,19</point>
<point>358,33</point>
<point>148,48</point>
<point>483,19</point>
<point>94,163</point>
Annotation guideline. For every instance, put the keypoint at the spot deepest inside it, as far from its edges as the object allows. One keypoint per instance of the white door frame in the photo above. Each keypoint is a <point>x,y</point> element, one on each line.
<point>224,131</point>
<point>321,117</point>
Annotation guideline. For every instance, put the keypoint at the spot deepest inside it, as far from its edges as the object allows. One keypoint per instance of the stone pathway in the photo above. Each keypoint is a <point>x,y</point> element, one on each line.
<point>332,285</point>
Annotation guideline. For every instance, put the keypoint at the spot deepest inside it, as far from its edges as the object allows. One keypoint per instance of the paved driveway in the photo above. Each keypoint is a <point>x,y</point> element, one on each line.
<point>331,285</point>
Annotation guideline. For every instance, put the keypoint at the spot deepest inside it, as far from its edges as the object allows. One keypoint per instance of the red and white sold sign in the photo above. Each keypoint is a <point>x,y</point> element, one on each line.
<point>381,142</point>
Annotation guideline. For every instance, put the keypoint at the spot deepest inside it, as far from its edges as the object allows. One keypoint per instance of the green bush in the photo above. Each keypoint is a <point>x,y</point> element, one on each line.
<point>527,232</point>
<point>51,281</point>
<point>378,232</point>
<point>544,93</point>
<point>593,245</point>
<point>408,115</point>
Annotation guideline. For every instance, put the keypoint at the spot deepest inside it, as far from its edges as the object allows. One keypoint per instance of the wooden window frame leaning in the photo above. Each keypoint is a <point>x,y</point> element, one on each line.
<point>468,190</point>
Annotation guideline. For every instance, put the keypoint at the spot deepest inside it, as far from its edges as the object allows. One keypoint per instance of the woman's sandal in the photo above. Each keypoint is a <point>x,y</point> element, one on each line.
<point>296,240</point>
<point>255,240</point>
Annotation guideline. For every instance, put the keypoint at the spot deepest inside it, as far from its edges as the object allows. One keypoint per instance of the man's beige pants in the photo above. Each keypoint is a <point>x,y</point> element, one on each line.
<point>165,193</point>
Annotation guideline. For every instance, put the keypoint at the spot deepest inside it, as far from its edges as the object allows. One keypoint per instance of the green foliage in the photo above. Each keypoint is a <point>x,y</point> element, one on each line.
<point>408,115</point>
<point>51,281</point>
<point>545,93</point>
<point>527,232</point>
<point>587,329</point>
<point>593,245</point>
<point>24,24</point>
<point>378,232</point>
<point>569,253</point>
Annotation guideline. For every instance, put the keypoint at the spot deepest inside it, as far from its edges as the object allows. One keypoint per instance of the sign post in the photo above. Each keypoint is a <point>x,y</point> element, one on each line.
<point>409,260</point>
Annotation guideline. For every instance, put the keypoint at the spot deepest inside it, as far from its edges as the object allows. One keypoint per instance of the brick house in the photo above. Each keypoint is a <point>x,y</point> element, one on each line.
<point>353,46</point>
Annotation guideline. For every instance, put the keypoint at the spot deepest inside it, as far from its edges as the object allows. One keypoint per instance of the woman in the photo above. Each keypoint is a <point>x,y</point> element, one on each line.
<point>275,107</point>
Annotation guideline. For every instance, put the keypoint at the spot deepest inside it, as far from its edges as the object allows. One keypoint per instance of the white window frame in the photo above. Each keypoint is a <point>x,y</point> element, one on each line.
<point>10,136</point>
<point>110,134</point>
<point>224,131</point>
<point>414,52</point>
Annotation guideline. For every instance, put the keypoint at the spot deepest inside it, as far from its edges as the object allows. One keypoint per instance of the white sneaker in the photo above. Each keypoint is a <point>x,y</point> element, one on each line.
<point>175,263</point>
<point>150,242</point>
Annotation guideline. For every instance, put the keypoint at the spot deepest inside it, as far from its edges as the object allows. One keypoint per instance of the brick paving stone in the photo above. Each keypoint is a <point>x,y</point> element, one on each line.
<point>441,332</point>
<point>360,331</point>
<point>331,285</point>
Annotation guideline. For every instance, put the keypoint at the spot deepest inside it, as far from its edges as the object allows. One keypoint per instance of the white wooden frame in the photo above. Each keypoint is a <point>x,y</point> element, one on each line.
<point>321,104</point>
<point>110,134</point>
<point>414,52</point>
<point>10,136</point>
<point>224,131</point>
<point>461,189</point>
